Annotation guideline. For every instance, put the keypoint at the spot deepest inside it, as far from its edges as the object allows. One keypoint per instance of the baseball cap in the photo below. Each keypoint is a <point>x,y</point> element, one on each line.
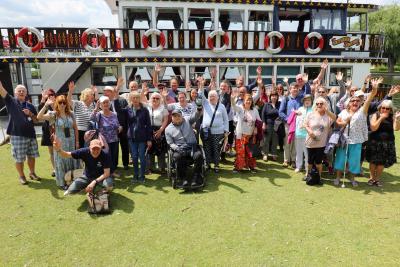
<point>359,93</point>
<point>103,98</point>
<point>176,111</point>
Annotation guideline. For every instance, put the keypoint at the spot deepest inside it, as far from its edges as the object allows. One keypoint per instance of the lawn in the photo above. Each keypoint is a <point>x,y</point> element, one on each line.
<point>270,218</point>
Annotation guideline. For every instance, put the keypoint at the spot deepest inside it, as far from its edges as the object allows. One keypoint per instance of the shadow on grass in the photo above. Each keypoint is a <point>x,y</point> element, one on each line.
<point>117,202</point>
<point>390,184</point>
<point>49,184</point>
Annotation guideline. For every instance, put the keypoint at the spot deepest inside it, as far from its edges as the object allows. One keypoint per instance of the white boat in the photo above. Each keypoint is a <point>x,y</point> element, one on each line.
<point>190,38</point>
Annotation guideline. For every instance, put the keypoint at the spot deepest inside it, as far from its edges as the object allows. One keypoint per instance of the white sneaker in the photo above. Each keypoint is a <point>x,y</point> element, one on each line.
<point>265,158</point>
<point>297,170</point>
<point>66,193</point>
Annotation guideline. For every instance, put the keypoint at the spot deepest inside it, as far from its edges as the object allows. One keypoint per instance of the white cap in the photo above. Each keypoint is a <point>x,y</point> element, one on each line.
<point>103,98</point>
<point>359,93</point>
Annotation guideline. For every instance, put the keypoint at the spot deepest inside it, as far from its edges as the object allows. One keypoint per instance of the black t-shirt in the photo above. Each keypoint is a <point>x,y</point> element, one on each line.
<point>94,167</point>
<point>19,124</point>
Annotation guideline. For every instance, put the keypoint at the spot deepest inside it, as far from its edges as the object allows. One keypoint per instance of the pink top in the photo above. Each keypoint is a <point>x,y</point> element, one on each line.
<point>321,127</point>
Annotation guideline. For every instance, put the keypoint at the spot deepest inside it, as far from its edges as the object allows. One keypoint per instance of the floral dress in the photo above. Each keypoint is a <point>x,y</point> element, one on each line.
<point>63,129</point>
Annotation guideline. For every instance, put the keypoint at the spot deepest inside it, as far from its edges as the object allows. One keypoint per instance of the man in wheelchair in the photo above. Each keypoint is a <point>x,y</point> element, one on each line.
<point>185,150</point>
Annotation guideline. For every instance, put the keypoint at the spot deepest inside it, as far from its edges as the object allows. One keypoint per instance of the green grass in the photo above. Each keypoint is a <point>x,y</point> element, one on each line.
<point>270,218</point>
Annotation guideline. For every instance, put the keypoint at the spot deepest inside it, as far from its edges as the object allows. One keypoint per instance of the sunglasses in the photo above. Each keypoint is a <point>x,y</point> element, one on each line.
<point>319,104</point>
<point>62,103</point>
<point>385,108</point>
<point>156,98</point>
<point>321,92</point>
<point>355,100</point>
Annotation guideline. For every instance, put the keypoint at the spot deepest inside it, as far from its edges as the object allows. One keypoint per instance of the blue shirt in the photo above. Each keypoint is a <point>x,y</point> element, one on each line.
<point>288,105</point>
<point>94,167</point>
<point>19,124</point>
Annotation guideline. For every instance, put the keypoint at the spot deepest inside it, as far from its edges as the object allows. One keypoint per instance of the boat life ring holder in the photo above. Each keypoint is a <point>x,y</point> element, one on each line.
<point>210,41</point>
<point>320,44</point>
<point>267,42</point>
<point>101,36</point>
<point>145,40</point>
<point>25,47</point>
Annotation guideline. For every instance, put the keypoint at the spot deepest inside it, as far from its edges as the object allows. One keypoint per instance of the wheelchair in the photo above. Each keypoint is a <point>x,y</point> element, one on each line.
<point>173,176</point>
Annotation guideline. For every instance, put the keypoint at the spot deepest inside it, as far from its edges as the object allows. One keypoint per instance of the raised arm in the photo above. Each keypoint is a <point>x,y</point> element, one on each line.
<point>71,90</point>
<point>375,84</point>
<point>157,69</point>
<point>321,74</point>
<point>42,115</point>
<point>366,82</point>
<point>3,91</point>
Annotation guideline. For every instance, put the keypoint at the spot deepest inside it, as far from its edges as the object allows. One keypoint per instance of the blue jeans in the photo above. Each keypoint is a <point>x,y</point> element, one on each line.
<point>138,150</point>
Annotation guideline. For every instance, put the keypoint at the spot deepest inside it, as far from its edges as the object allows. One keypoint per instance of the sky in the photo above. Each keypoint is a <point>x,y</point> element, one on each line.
<point>67,13</point>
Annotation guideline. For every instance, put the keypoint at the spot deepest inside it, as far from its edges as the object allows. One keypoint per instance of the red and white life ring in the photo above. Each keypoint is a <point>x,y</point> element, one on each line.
<point>101,36</point>
<point>267,42</point>
<point>145,40</point>
<point>26,48</point>
<point>320,44</point>
<point>210,41</point>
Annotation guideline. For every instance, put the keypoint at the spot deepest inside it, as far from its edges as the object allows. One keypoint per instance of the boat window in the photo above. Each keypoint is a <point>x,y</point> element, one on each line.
<point>312,71</point>
<point>200,19</point>
<point>287,71</point>
<point>325,20</point>
<point>356,22</point>
<point>104,75</point>
<point>230,73</point>
<point>347,74</point>
<point>260,21</point>
<point>169,19</point>
<point>231,20</point>
<point>138,18</point>
<point>266,74</point>
<point>294,20</point>
<point>204,71</point>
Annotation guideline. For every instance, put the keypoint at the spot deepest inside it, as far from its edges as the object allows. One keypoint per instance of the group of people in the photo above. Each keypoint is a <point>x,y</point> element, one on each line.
<point>249,119</point>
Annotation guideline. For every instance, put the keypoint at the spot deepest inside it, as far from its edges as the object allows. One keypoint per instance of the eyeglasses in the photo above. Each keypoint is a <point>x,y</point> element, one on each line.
<point>62,103</point>
<point>321,92</point>
<point>156,98</point>
<point>386,108</point>
<point>355,100</point>
<point>319,104</point>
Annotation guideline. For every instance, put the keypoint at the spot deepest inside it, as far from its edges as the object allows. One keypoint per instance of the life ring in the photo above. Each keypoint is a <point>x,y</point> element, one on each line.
<point>20,39</point>
<point>210,41</point>
<point>87,46</point>
<point>145,40</point>
<point>320,44</point>
<point>267,41</point>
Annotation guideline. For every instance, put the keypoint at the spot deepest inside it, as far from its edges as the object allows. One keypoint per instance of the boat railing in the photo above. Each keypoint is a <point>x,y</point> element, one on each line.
<point>69,41</point>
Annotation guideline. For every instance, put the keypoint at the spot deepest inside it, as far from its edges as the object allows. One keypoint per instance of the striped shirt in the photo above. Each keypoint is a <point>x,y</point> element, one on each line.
<point>82,114</point>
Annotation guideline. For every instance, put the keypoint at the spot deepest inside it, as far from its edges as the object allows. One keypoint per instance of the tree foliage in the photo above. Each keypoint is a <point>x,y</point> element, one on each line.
<point>387,21</point>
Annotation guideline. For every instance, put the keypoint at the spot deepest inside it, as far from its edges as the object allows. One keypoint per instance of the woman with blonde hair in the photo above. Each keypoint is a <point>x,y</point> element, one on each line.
<point>82,109</point>
<point>63,122</point>
<point>318,124</point>
<point>381,150</point>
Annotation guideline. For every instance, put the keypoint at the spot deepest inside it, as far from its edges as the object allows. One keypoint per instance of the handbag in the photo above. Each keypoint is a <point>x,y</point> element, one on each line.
<point>206,131</point>
<point>98,202</point>
<point>313,177</point>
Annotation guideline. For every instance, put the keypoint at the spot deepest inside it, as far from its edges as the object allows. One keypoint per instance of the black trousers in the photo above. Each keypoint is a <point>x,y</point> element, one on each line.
<point>182,159</point>
<point>123,142</point>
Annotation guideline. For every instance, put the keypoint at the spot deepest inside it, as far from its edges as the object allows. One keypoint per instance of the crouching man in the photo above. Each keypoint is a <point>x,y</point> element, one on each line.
<point>97,166</point>
<point>182,140</point>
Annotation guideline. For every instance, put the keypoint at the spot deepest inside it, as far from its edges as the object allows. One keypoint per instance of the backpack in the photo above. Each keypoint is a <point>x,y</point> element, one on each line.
<point>98,202</point>
<point>313,177</point>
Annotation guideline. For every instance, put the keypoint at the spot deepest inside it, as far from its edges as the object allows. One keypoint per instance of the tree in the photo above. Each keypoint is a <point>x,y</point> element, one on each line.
<point>386,21</point>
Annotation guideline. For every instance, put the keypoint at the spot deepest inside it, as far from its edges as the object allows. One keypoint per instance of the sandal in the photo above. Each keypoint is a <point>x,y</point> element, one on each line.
<point>23,180</point>
<point>34,177</point>
<point>371,182</point>
<point>378,183</point>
